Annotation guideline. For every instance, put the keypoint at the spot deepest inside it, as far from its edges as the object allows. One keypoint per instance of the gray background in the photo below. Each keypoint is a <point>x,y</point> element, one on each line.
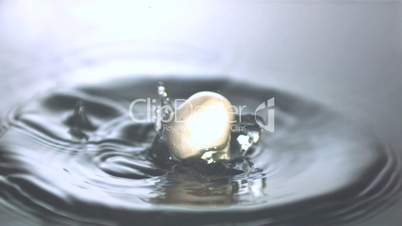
<point>344,54</point>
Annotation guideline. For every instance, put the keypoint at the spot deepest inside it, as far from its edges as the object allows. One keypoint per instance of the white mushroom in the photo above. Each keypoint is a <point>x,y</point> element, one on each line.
<point>201,124</point>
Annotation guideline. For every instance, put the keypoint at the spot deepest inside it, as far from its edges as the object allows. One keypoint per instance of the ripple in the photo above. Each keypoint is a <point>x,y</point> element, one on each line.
<point>315,169</point>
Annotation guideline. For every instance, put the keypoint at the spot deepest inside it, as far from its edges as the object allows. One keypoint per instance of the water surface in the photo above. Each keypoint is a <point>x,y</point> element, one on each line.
<point>89,165</point>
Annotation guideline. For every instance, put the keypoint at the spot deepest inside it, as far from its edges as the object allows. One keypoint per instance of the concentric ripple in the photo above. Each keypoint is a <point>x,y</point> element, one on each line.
<point>74,157</point>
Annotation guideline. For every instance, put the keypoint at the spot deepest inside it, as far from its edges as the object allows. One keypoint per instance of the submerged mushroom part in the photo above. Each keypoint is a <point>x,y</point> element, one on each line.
<point>201,127</point>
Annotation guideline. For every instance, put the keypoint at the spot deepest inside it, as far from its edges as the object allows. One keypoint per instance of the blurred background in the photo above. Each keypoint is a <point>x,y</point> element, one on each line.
<point>344,54</point>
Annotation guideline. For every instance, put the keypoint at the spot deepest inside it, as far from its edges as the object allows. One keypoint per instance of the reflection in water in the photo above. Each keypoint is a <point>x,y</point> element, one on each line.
<point>316,169</point>
<point>195,190</point>
<point>200,190</point>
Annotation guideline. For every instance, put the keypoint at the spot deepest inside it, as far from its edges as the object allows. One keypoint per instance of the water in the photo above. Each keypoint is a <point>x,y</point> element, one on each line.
<point>74,157</point>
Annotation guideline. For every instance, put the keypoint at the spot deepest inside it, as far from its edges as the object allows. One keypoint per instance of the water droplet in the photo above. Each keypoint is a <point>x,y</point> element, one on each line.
<point>79,122</point>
